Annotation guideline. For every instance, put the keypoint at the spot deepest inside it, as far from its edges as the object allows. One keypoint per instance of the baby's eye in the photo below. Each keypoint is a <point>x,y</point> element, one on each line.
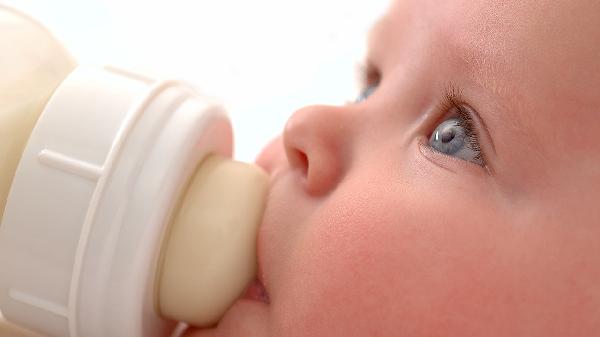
<point>455,137</point>
<point>366,92</point>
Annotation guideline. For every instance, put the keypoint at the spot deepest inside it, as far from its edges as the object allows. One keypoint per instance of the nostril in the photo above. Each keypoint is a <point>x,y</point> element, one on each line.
<point>303,159</point>
<point>298,159</point>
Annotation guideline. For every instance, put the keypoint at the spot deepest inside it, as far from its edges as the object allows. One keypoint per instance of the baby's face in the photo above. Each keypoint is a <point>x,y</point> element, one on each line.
<point>459,199</point>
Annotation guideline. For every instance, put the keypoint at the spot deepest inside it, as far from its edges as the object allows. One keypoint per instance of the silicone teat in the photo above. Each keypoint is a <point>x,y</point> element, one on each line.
<point>209,254</point>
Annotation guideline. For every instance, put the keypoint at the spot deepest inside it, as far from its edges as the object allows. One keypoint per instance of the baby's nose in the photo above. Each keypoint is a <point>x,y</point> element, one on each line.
<point>318,142</point>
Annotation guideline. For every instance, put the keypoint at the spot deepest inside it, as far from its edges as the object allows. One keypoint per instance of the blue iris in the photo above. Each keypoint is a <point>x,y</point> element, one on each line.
<point>451,138</point>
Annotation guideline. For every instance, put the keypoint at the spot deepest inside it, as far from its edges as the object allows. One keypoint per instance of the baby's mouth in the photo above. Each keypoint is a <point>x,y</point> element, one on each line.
<point>256,291</point>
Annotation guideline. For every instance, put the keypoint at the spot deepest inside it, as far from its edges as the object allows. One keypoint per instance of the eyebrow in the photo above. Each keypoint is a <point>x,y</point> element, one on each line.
<point>495,90</point>
<point>492,78</point>
<point>482,69</point>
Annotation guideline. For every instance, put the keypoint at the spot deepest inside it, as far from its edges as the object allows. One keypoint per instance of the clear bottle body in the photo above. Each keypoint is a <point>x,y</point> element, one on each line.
<point>33,64</point>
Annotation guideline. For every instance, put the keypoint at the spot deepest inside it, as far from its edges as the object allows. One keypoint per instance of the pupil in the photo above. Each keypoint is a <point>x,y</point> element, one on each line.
<point>448,135</point>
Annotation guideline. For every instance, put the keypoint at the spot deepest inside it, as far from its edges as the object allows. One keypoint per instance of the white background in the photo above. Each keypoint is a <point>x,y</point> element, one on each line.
<point>262,58</point>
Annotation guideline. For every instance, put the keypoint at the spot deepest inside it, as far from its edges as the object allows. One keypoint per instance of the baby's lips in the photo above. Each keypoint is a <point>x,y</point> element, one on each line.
<point>256,289</point>
<point>257,292</point>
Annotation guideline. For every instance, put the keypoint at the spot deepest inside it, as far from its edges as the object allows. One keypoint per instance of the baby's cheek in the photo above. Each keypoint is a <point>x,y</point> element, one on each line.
<point>347,275</point>
<point>380,261</point>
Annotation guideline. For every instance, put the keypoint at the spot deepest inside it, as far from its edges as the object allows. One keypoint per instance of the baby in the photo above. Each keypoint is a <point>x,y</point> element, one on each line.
<point>458,196</point>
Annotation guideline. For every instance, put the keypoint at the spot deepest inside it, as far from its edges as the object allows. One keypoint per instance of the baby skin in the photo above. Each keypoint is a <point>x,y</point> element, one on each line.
<point>459,196</point>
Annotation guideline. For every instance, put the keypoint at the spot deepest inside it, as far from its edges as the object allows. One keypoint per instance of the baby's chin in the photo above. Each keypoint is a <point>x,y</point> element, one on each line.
<point>247,317</point>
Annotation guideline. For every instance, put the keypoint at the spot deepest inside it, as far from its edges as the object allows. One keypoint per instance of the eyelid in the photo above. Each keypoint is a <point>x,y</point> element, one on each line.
<point>449,163</point>
<point>454,95</point>
<point>367,74</point>
<point>485,140</point>
<point>368,78</point>
<point>484,127</point>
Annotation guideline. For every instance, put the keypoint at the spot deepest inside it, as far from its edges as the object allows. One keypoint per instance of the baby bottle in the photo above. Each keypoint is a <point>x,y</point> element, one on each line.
<point>122,212</point>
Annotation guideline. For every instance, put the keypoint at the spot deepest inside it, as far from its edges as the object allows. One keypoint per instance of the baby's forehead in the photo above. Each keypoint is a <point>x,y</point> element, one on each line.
<point>553,36</point>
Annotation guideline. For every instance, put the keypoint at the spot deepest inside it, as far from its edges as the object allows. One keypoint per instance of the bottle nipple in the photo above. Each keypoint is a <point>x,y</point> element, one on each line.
<point>209,255</point>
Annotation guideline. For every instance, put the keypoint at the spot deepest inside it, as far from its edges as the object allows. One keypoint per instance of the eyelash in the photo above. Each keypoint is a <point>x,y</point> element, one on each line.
<point>453,102</point>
